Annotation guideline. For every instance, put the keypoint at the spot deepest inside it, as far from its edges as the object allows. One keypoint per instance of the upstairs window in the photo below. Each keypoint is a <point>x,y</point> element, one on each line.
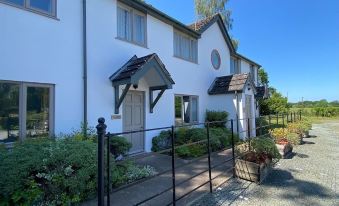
<point>131,25</point>
<point>185,47</point>
<point>235,66</point>
<point>47,7</point>
<point>252,73</point>
<point>186,109</point>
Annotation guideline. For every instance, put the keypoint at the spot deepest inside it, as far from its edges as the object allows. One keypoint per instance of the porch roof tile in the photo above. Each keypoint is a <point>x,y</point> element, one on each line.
<point>228,84</point>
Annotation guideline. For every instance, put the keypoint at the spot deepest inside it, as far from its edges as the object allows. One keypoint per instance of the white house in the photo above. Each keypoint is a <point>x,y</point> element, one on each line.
<point>64,62</point>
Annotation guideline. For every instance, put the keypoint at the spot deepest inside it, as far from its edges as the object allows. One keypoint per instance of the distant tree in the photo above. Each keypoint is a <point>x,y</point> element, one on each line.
<point>263,76</point>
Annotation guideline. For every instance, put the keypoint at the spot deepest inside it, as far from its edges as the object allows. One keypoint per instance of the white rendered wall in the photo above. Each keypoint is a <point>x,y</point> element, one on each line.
<point>35,48</point>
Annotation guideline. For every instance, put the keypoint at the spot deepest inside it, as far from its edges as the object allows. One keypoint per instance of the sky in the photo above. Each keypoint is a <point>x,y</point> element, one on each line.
<point>296,41</point>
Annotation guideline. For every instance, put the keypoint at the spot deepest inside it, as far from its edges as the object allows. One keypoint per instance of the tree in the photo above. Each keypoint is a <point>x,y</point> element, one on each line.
<point>276,103</point>
<point>263,76</point>
<point>207,8</point>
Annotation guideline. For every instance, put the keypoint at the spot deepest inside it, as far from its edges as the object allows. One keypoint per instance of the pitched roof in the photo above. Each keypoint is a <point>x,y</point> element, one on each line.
<point>136,64</point>
<point>199,25</point>
<point>229,84</point>
<point>204,24</point>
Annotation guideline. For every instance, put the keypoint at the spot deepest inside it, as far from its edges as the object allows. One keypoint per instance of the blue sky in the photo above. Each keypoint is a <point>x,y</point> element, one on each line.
<point>296,41</point>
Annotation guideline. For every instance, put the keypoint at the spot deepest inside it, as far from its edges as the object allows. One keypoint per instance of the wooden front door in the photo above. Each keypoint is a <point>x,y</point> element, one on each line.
<point>133,119</point>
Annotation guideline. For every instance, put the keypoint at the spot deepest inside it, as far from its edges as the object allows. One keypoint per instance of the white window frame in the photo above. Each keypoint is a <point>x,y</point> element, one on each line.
<point>23,105</point>
<point>26,6</point>
<point>132,26</point>
<point>190,109</point>
<point>237,65</point>
<point>191,57</point>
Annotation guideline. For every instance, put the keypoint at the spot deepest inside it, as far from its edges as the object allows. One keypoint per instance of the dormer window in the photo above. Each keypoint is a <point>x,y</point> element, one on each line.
<point>131,25</point>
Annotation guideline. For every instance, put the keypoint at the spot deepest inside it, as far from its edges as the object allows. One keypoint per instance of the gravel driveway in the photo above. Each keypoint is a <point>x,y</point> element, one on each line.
<point>310,177</point>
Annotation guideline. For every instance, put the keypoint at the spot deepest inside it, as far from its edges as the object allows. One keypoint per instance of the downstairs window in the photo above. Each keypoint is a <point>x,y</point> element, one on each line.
<point>186,109</point>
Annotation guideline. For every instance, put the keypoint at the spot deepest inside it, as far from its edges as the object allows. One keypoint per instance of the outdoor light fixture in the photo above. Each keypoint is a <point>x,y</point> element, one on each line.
<point>135,86</point>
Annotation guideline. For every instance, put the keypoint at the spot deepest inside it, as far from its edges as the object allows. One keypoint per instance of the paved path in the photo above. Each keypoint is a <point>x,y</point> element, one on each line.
<point>310,177</point>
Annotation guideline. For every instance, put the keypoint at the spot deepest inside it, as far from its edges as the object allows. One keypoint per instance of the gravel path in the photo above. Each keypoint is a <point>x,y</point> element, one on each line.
<point>310,177</point>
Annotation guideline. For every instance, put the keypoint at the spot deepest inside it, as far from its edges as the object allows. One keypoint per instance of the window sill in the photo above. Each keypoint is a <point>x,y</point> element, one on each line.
<point>31,10</point>
<point>131,42</point>
<point>185,59</point>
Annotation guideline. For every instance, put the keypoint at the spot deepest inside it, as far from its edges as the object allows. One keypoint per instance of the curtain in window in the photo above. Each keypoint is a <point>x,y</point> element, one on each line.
<point>232,66</point>
<point>139,29</point>
<point>186,109</point>
<point>176,44</point>
<point>124,24</point>
<point>194,50</point>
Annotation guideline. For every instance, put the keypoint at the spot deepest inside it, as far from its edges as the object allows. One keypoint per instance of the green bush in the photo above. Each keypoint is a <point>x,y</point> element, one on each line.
<point>119,145</point>
<point>265,145</point>
<point>293,138</point>
<point>58,172</point>
<point>212,116</point>
<point>162,141</point>
<point>219,139</point>
<point>53,172</point>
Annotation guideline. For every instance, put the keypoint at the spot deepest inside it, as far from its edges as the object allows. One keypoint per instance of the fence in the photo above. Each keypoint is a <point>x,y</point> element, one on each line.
<point>223,165</point>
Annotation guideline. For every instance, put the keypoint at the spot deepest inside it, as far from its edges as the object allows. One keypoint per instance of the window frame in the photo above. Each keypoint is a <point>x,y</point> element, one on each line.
<point>132,24</point>
<point>26,6</point>
<point>191,47</point>
<point>182,109</point>
<point>23,107</point>
<point>237,65</point>
<point>219,59</point>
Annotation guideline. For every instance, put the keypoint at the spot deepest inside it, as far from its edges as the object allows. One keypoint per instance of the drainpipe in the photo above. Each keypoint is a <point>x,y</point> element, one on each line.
<point>84,32</point>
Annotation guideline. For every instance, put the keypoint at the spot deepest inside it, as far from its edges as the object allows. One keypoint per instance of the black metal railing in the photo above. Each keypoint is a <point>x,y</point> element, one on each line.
<point>261,128</point>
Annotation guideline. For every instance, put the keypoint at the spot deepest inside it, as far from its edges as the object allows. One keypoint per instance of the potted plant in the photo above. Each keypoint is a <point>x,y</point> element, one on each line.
<point>296,128</point>
<point>256,163</point>
<point>306,127</point>
<point>280,136</point>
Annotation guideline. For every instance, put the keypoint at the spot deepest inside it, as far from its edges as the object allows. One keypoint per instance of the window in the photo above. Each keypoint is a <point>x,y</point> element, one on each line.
<point>26,110</point>
<point>47,7</point>
<point>235,66</point>
<point>185,47</point>
<point>252,73</point>
<point>131,25</point>
<point>215,59</point>
<point>186,109</point>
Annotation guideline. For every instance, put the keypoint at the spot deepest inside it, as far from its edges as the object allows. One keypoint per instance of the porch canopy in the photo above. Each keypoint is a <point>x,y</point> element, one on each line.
<point>150,68</point>
<point>231,84</point>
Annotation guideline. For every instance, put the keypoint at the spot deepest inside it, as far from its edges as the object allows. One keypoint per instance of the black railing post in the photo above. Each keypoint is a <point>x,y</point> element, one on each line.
<point>237,119</point>
<point>209,156</point>
<point>108,170</point>
<point>233,156</point>
<point>173,167</point>
<point>291,117</point>
<point>101,131</point>
<point>294,116</point>
<point>300,115</point>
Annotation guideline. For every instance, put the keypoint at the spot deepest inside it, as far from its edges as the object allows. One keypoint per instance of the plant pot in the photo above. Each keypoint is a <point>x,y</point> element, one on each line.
<point>306,134</point>
<point>252,171</point>
<point>301,136</point>
<point>285,150</point>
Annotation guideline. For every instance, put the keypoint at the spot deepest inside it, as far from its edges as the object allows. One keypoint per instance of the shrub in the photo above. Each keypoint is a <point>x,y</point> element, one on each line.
<point>119,145</point>
<point>53,172</point>
<point>293,138</point>
<point>265,145</point>
<point>162,141</point>
<point>278,134</point>
<point>58,172</point>
<point>212,116</point>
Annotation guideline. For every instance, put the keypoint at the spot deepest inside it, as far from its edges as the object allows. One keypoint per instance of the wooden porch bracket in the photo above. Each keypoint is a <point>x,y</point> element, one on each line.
<point>119,99</point>
<point>151,90</point>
